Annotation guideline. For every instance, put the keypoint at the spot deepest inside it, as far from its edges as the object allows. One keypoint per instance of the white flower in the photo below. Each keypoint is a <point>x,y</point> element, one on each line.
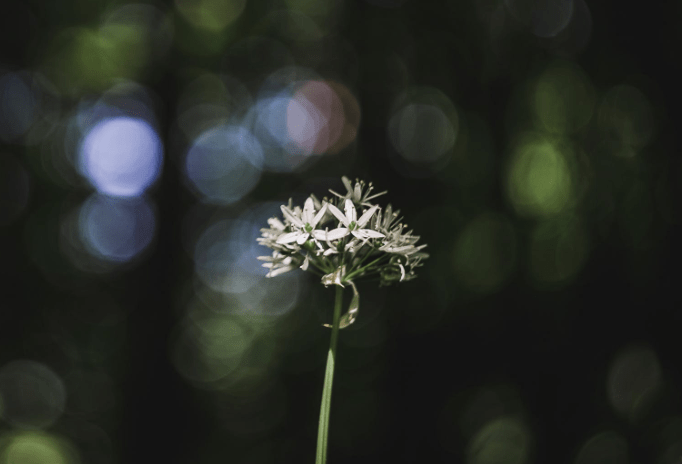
<point>353,225</point>
<point>376,244</point>
<point>278,264</point>
<point>305,226</point>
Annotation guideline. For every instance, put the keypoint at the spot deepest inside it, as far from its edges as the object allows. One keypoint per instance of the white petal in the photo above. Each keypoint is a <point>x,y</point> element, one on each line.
<point>351,214</point>
<point>371,233</point>
<point>308,211</point>
<point>318,216</point>
<point>339,215</point>
<point>290,216</point>
<point>347,184</point>
<point>367,216</point>
<point>281,270</point>
<point>335,234</point>
<point>399,249</point>
<point>289,237</point>
<point>302,238</point>
<point>357,194</point>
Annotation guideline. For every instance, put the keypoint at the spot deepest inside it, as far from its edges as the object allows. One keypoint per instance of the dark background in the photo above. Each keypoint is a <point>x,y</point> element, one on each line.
<point>544,327</point>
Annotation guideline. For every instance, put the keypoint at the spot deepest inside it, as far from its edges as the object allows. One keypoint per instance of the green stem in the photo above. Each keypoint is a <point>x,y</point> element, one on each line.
<point>323,429</point>
<point>362,260</point>
<point>354,273</point>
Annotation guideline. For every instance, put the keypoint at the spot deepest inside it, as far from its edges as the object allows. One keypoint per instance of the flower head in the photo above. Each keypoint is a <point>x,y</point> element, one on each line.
<point>374,245</point>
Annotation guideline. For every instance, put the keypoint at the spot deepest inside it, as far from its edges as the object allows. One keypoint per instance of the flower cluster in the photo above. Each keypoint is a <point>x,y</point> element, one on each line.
<point>343,239</point>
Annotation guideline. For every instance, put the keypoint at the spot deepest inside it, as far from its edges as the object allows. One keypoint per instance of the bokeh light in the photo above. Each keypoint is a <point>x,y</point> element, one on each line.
<point>116,229</point>
<point>224,163</point>
<point>422,133</point>
<point>226,341</point>
<point>564,98</point>
<point>314,117</point>
<point>210,347</point>
<point>36,448</point>
<point>230,355</point>
<point>225,257</point>
<point>212,15</point>
<point>604,447</point>
<point>124,45</point>
<point>539,178</point>
<point>505,440</point>
<point>19,102</point>
<point>634,380</point>
<point>33,395</point>
<point>121,156</point>
<point>485,253</point>
<point>297,115</point>
<point>423,128</point>
<point>146,30</point>
<point>573,38</point>
<point>270,124</point>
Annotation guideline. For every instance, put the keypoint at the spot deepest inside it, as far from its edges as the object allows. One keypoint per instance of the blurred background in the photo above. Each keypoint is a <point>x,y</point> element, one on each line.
<point>531,143</point>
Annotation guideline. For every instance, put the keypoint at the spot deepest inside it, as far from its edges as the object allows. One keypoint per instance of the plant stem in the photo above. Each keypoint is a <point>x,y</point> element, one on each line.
<point>354,273</point>
<point>323,429</point>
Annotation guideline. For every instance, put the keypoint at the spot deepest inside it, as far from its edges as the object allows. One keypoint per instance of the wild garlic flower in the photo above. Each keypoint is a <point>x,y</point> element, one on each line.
<point>352,224</point>
<point>299,239</point>
<point>338,245</point>
<point>304,227</point>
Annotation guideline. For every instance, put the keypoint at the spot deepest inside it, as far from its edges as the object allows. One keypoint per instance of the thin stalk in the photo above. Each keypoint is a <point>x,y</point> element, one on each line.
<point>351,275</point>
<point>323,429</point>
<point>317,265</point>
<point>362,260</point>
